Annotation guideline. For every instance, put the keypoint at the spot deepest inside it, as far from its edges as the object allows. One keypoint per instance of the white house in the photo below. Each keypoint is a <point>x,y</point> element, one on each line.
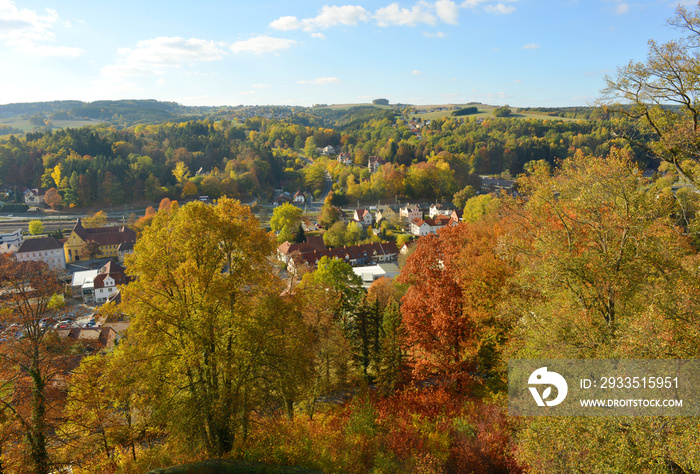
<point>363,216</point>
<point>33,197</point>
<point>299,197</point>
<point>42,249</point>
<point>12,238</point>
<point>439,210</point>
<point>410,212</point>
<point>421,227</point>
<point>106,281</point>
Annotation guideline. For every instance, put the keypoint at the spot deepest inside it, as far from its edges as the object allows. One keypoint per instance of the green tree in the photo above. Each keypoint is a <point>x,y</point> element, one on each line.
<point>310,148</point>
<point>36,227</point>
<point>479,206</point>
<point>208,314</point>
<point>286,220</point>
<point>460,198</point>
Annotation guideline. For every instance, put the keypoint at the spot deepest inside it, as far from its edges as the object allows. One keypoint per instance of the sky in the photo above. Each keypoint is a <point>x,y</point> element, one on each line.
<point>524,53</point>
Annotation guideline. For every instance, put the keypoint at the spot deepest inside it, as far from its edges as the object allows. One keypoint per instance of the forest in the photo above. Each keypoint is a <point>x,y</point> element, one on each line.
<point>227,357</point>
<point>248,158</point>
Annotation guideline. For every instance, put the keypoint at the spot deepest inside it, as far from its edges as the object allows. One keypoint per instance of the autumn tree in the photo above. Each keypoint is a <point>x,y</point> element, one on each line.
<point>36,227</point>
<point>209,315</point>
<point>98,219</point>
<point>31,359</point>
<point>663,95</point>
<point>331,294</point>
<point>603,273</point>
<point>90,250</point>
<point>53,198</point>
<point>450,311</point>
<point>286,219</point>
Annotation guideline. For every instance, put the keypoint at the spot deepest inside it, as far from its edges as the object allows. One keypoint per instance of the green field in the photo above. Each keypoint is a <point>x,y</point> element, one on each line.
<point>485,111</point>
<point>25,126</point>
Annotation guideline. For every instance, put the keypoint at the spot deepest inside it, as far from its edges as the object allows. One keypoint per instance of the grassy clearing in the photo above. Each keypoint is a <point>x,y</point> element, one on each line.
<point>25,126</point>
<point>485,111</point>
<point>349,106</point>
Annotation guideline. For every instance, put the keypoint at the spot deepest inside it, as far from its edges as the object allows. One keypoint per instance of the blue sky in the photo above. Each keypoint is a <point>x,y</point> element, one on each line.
<point>517,52</point>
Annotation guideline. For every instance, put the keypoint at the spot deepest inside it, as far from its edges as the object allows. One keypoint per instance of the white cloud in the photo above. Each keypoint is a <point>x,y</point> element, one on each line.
<point>155,55</point>
<point>439,34</point>
<point>261,86</point>
<point>395,15</point>
<point>531,46</point>
<point>318,35</point>
<point>416,72</point>
<point>447,11</point>
<point>161,82</point>
<point>25,30</point>
<point>499,9</point>
<point>321,81</point>
<point>472,3</point>
<point>262,45</point>
<point>30,47</point>
<point>622,8</point>
<point>329,16</point>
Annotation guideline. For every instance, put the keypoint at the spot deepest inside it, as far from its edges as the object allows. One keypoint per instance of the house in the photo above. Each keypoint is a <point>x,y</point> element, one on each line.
<point>286,250</point>
<point>457,216</point>
<point>374,163</point>
<point>42,249</point>
<point>83,286</point>
<point>386,212</point>
<point>124,249</point>
<point>282,198</point>
<point>96,337</point>
<point>410,212</point>
<point>12,238</point>
<point>329,150</point>
<point>490,184</point>
<point>106,281</point>
<point>299,197</point>
<point>108,238</point>
<point>98,285</point>
<point>8,248</point>
<point>373,272</point>
<point>421,227</point>
<point>355,255</point>
<point>439,210</point>
<point>33,197</point>
<point>363,216</point>
<point>345,159</point>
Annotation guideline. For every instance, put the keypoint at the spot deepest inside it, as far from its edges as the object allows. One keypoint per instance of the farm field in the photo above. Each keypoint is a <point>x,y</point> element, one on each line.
<point>25,126</point>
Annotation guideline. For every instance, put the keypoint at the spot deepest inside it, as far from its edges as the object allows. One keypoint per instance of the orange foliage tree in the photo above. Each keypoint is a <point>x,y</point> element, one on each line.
<point>32,364</point>
<point>450,310</point>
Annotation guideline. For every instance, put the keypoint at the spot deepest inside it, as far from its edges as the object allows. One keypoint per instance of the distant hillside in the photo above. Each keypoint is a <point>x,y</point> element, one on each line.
<point>117,112</point>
